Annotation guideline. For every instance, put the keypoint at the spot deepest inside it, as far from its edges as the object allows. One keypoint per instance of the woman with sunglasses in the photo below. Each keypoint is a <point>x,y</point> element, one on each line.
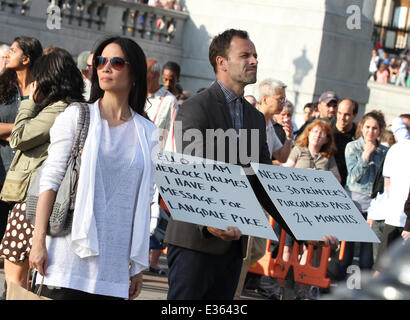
<point>15,83</point>
<point>107,249</point>
<point>57,83</point>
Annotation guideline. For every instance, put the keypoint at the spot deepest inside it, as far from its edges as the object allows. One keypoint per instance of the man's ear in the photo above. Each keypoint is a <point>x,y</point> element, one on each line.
<point>355,116</point>
<point>221,63</point>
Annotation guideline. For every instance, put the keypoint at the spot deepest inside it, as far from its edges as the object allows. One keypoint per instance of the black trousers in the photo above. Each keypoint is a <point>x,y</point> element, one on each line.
<point>194,275</point>
<point>71,294</point>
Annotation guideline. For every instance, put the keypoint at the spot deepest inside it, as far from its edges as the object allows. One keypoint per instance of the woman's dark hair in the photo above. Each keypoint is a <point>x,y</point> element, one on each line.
<point>31,48</point>
<point>138,72</point>
<point>58,78</point>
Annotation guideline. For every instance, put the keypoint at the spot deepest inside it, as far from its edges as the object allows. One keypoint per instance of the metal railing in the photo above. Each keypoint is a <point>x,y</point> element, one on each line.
<point>19,7</point>
<point>112,16</point>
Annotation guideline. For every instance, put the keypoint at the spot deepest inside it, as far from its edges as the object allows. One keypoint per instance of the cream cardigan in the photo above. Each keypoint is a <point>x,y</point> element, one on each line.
<point>84,237</point>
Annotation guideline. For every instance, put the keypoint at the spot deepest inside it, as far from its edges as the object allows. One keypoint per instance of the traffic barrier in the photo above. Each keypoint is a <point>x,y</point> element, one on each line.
<point>278,268</point>
<point>164,206</point>
<point>342,250</point>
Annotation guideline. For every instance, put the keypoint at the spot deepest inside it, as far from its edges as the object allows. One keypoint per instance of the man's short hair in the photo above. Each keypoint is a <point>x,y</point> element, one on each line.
<point>82,60</point>
<point>4,48</point>
<point>309,105</point>
<point>354,102</point>
<point>289,107</point>
<point>173,66</point>
<point>220,44</point>
<point>268,86</point>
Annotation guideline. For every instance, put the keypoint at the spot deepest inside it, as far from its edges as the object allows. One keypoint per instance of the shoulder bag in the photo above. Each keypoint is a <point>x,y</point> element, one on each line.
<point>61,217</point>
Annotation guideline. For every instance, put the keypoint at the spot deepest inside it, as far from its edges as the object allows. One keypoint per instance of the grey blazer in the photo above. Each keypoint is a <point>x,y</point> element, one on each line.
<point>209,110</point>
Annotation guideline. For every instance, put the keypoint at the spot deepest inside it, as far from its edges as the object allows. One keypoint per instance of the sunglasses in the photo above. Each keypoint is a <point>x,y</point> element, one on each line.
<point>116,62</point>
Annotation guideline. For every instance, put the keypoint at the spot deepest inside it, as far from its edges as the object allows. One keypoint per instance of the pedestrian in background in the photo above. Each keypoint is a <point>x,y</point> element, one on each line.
<point>15,84</point>
<point>363,158</point>
<point>57,82</point>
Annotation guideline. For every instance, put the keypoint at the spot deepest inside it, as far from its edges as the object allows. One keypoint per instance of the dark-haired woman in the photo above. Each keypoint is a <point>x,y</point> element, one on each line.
<point>107,249</point>
<point>57,83</point>
<point>14,87</point>
<point>363,158</point>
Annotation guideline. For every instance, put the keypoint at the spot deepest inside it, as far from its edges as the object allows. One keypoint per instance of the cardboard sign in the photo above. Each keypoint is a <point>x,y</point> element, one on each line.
<point>313,204</point>
<point>210,193</point>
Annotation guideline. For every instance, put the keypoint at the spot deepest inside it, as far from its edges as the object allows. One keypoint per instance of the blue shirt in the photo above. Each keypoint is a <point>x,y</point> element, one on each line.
<point>235,104</point>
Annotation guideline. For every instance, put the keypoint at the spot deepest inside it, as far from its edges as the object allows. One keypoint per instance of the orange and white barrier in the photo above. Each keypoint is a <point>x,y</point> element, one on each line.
<point>278,268</point>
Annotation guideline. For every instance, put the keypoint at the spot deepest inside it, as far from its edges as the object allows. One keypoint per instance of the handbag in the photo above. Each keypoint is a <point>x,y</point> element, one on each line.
<point>15,292</point>
<point>61,216</point>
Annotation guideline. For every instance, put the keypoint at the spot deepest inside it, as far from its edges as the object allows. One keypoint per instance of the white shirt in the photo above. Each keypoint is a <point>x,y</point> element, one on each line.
<point>397,168</point>
<point>378,207</point>
<point>161,108</point>
<point>272,139</point>
<point>116,239</point>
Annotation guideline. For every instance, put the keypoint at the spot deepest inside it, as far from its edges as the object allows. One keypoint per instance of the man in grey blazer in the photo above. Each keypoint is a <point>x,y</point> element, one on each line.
<point>205,262</point>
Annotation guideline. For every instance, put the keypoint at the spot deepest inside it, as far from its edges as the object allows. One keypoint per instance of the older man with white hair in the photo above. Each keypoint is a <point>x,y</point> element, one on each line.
<point>3,50</point>
<point>272,96</point>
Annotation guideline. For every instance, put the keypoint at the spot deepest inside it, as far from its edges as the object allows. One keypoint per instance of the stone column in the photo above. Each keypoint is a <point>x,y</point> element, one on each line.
<point>368,9</point>
<point>378,12</point>
<point>38,9</point>
<point>113,21</point>
<point>388,12</point>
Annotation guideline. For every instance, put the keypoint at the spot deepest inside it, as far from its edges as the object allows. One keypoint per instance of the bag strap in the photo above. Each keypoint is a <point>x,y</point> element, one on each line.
<point>78,145</point>
<point>80,124</point>
<point>85,126</point>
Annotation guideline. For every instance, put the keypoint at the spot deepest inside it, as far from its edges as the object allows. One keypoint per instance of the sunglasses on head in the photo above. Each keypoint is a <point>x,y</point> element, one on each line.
<point>116,62</point>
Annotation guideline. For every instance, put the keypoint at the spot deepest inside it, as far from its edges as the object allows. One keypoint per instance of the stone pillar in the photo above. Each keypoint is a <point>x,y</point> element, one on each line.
<point>387,13</point>
<point>378,12</point>
<point>39,9</point>
<point>368,9</point>
<point>113,23</point>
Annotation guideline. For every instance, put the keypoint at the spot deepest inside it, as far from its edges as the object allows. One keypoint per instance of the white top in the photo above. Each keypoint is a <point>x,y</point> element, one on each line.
<point>397,168</point>
<point>378,207</point>
<point>272,139</point>
<point>373,64</point>
<point>161,108</point>
<point>110,234</point>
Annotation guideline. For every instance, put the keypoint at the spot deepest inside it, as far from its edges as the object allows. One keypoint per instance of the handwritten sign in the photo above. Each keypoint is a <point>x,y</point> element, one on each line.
<point>313,204</point>
<point>210,193</point>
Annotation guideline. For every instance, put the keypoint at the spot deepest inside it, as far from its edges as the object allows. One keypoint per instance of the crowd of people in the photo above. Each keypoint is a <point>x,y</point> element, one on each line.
<point>391,69</point>
<point>331,140</point>
<point>119,228</point>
